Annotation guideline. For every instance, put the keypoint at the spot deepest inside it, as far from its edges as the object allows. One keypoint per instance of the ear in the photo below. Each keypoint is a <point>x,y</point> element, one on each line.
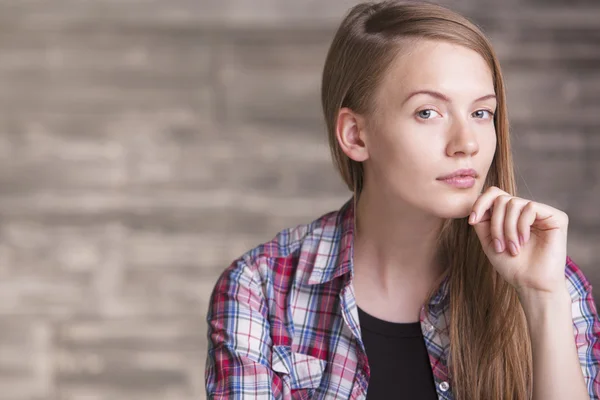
<point>350,134</point>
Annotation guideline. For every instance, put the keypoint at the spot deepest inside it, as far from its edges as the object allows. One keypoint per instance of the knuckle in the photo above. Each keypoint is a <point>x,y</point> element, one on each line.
<point>513,202</point>
<point>502,199</point>
<point>497,229</point>
<point>500,191</point>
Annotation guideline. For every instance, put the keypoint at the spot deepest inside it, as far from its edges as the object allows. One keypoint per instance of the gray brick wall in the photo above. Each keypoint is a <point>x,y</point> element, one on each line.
<point>145,144</point>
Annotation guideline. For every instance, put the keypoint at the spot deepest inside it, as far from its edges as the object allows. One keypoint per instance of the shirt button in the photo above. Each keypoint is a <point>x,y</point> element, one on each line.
<point>429,327</point>
<point>444,386</point>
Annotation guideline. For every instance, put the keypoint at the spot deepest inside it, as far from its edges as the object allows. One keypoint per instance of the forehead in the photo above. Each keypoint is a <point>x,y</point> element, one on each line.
<point>455,70</point>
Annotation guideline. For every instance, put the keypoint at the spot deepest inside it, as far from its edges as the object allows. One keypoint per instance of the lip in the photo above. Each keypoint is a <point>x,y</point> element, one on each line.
<point>462,178</point>
<point>463,182</point>
<point>465,172</point>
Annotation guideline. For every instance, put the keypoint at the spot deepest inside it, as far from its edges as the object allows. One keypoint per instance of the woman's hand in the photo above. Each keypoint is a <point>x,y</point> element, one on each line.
<point>525,241</point>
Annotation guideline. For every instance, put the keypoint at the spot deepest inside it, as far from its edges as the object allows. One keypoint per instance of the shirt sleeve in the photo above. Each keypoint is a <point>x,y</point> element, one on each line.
<point>238,363</point>
<point>586,327</point>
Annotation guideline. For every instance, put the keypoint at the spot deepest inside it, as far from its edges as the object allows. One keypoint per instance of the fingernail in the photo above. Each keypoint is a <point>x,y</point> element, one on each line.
<point>513,248</point>
<point>472,217</point>
<point>498,245</point>
<point>521,240</point>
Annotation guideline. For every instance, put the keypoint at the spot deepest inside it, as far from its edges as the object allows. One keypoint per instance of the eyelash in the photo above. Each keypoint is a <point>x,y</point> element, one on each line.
<point>492,114</point>
<point>488,111</point>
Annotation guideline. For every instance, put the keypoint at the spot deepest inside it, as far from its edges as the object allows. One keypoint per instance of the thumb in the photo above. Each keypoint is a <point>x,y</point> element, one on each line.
<point>484,232</point>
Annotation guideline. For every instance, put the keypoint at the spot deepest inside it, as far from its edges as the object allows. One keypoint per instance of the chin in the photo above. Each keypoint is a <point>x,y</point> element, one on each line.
<point>448,215</point>
<point>449,211</point>
<point>444,205</point>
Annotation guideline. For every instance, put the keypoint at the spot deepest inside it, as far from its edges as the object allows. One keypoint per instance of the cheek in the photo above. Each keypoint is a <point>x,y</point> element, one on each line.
<point>487,150</point>
<point>412,159</point>
<point>489,144</point>
<point>402,150</point>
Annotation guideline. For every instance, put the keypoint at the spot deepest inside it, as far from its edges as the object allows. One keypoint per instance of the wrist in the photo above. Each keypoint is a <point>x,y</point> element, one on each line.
<point>544,304</point>
<point>549,294</point>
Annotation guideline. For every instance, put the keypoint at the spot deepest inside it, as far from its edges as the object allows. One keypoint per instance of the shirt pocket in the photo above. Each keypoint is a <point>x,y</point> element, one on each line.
<point>305,372</point>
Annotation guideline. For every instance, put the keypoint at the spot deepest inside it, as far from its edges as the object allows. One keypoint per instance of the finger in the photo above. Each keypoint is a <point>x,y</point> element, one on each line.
<point>543,217</point>
<point>487,216</point>
<point>527,218</point>
<point>484,202</point>
<point>547,217</point>
<point>497,224</point>
<point>514,206</point>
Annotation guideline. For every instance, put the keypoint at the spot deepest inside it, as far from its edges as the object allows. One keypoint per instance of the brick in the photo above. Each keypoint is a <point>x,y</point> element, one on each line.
<point>579,14</point>
<point>184,254</point>
<point>133,56</point>
<point>559,3</point>
<point>586,206</point>
<point>78,94</point>
<point>96,206</point>
<point>549,38</point>
<point>554,181</point>
<point>288,12</point>
<point>272,163</point>
<point>281,177</point>
<point>543,141</point>
<point>91,152</point>
<point>162,151</point>
<point>583,249</point>
<point>171,273</point>
<point>65,13</point>
<point>52,153</point>
<point>77,130</point>
<point>551,96</point>
<point>50,270</point>
<point>273,84</point>
<point>128,358</point>
<point>26,362</point>
<point>96,72</point>
<point>165,291</point>
<point>594,144</point>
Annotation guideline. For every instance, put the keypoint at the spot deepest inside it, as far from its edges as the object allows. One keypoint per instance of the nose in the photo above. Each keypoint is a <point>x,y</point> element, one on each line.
<point>462,140</point>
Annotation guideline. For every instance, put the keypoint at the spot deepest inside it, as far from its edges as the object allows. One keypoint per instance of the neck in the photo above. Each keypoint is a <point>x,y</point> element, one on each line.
<point>395,245</point>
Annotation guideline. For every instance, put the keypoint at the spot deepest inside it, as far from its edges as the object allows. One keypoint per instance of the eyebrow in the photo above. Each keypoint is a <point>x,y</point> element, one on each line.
<point>443,97</point>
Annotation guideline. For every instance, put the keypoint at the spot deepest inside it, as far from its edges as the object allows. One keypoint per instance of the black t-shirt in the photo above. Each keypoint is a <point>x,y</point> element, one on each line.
<point>398,360</point>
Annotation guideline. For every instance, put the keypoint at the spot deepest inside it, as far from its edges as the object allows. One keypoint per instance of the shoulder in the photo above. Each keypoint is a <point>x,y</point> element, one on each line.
<point>577,283</point>
<point>289,255</point>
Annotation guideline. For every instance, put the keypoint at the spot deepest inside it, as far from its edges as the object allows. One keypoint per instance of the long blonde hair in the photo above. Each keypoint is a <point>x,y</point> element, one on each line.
<point>490,349</point>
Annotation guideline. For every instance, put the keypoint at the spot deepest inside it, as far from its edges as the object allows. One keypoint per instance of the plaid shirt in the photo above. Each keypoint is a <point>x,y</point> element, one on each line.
<point>283,321</point>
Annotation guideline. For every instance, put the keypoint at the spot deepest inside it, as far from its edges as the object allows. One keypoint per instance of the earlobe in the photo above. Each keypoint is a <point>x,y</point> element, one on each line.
<point>351,135</point>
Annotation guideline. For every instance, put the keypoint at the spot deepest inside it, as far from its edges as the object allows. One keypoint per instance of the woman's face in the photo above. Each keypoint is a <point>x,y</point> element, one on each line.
<point>434,115</point>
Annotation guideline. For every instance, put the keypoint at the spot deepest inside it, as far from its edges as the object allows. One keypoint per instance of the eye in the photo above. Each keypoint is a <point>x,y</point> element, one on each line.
<point>426,114</point>
<point>481,114</point>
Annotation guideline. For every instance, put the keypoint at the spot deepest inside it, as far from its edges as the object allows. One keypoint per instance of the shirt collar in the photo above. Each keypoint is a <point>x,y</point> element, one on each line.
<point>441,296</point>
<point>335,245</point>
<point>335,252</point>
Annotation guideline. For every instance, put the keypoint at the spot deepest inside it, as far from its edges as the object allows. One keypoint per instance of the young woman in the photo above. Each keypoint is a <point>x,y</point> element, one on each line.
<point>434,281</point>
